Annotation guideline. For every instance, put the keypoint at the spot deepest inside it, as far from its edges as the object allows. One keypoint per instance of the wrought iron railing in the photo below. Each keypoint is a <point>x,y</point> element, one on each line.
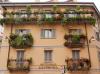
<point>78,64</point>
<point>18,65</point>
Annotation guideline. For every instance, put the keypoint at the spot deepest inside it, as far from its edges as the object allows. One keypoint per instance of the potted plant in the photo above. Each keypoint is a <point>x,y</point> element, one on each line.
<point>21,42</point>
<point>28,11</point>
<point>75,38</point>
<point>30,60</point>
<point>58,14</point>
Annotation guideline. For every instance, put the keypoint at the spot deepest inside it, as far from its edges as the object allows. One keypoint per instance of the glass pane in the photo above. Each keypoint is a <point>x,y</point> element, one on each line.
<point>20,55</point>
<point>50,33</point>
<point>75,54</point>
<point>22,31</point>
<point>48,55</point>
<point>46,34</point>
<point>75,31</point>
<point>48,16</point>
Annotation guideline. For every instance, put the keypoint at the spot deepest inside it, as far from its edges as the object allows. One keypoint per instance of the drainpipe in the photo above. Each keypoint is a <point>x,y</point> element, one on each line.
<point>88,44</point>
<point>9,44</point>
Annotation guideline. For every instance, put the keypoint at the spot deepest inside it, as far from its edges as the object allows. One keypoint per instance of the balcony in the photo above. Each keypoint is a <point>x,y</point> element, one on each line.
<point>74,41</point>
<point>19,65</point>
<point>21,41</point>
<point>78,64</point>
<point>49,17</point>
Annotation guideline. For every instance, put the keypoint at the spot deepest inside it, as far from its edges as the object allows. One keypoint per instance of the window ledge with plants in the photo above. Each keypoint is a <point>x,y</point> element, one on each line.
<point>74,41</point>
<point>21,41</point>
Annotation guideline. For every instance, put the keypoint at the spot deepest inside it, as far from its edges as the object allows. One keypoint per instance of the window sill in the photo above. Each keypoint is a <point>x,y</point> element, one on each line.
<point>47,38</point>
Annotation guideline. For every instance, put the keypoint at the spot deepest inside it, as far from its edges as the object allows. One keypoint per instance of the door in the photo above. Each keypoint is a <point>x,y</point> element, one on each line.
<point>75,54</point>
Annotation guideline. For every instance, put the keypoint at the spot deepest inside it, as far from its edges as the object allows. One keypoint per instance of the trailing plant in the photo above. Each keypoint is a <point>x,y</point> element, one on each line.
<point>75,38</point>
<point>1,21</point>
<point>28,10</point>
<point>57,15</point>
<point>10,18</point>
<point>78,8</point>
<point>55,8</point>
<point>79,19</point>
<point>21,41</point>
<point>49,19</point>
<point>67,10</point>
<point>63,21</point>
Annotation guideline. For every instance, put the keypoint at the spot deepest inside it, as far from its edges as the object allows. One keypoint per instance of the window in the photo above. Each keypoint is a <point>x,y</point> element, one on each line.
<point>97,36</point>
<point>75,31</point>
<point>20,55</point>
<point>22,14</point>
<point>99,55</point>
<point>48,15</point>
<point>72,14</point>
<point>48,55</point>
<point>75,54</point>
<point>40,16</point>
<point>22,31</point>
<point>48,33</point>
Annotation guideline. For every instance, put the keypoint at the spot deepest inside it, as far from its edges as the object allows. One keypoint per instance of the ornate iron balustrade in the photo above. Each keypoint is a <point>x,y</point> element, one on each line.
<point>18,65</point>
<point>78,64</point>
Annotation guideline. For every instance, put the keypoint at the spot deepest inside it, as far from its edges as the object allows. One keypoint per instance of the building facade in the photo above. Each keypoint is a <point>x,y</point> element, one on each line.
<point>49,38</point>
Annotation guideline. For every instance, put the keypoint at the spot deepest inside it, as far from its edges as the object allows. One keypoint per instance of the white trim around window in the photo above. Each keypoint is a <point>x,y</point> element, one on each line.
<point>48,33</point>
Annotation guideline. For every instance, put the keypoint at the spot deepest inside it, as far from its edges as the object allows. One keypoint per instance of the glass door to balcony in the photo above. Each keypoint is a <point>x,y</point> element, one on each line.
<point>75,57</point>
<point>20,58</point>
<point>75,54</point>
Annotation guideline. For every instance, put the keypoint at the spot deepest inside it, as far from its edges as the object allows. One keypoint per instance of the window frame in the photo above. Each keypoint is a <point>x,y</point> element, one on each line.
<point>75,30</point>
<point>75,56</point>
<point>53,34</point>
<point>28,31</point>
<point>49,53</point>
<point>20,55</point>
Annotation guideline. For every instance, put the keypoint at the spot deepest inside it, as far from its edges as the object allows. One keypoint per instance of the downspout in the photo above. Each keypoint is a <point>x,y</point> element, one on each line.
<point>9,44</point>
<point>87,44</point>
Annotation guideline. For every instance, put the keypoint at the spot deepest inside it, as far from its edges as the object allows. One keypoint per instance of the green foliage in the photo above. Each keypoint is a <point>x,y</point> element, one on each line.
<point>28,10</point>
<point>20,42</point>
<point>89,20</point>
<point>1,21</point>
<point>78,8</point>
<point>56,9</point>
<point>76,38</point>
<point>49,19</point>
<point>63,21</point>
<point>58,18</point>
